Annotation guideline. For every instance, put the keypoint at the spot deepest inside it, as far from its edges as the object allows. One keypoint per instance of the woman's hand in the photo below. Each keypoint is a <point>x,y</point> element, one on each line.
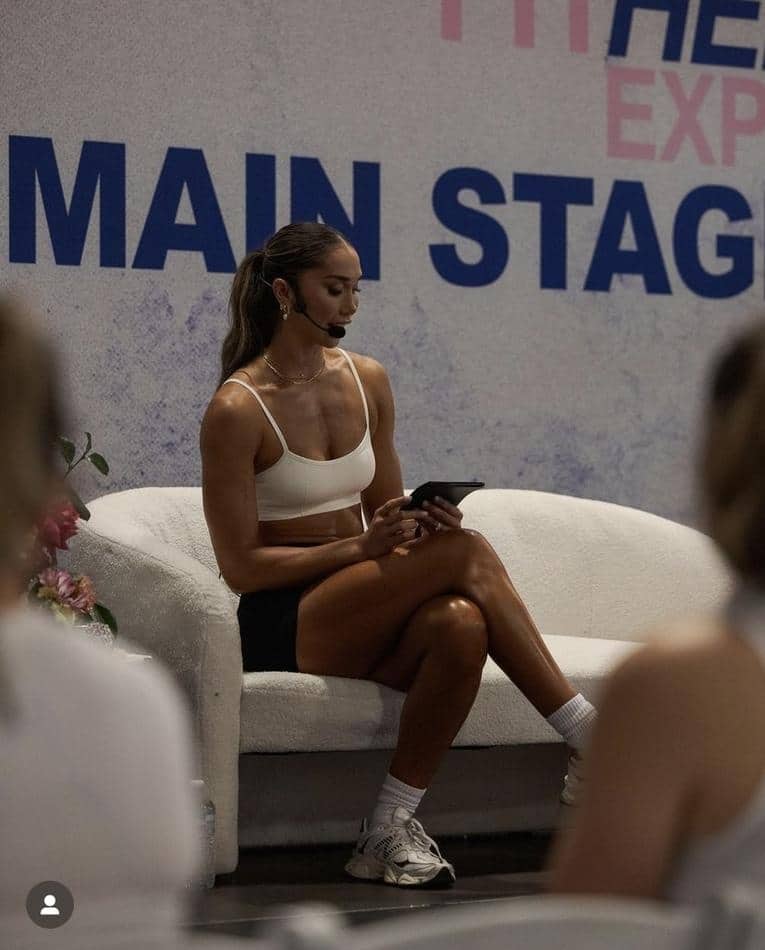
<point>441,515</point>
<point>389,527</point>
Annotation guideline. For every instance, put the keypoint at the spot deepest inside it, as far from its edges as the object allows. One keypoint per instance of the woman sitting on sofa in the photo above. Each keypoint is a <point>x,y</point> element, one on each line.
<point>297,439</point>
<point>674,805</point>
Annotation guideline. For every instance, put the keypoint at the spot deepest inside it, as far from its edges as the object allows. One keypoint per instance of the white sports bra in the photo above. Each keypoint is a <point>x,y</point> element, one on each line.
<point>295,486</point>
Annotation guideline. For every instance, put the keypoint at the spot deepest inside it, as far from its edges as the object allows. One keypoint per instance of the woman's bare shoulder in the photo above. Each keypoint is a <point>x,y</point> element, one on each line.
<point>231,414</point>
<point>372,373</point>
<point>367,364</point>
<point>698,638</point>
<point>677,657</point>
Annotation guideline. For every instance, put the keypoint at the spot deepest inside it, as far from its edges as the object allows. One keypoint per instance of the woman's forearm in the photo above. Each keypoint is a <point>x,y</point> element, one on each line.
<point>269,567</point>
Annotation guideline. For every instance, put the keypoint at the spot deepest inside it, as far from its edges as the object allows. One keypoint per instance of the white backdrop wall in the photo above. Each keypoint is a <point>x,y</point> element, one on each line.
<point>560,205</point>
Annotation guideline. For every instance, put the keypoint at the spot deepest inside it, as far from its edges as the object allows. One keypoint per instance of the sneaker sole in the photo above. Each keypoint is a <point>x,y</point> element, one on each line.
<point>363,869</point>
<point>444,878</point>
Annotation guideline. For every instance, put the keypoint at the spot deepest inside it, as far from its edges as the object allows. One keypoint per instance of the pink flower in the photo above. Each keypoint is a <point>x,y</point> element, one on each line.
<point>55,585</point>
<point>58,526</point>
<point>60,587</point>
<point>85,597</point>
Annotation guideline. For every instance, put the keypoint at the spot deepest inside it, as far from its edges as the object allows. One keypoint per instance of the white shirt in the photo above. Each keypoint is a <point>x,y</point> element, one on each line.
<point>95,793</point>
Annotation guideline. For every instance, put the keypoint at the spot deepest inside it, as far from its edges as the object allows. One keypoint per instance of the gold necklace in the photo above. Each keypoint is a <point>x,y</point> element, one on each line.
<point>290,379</point>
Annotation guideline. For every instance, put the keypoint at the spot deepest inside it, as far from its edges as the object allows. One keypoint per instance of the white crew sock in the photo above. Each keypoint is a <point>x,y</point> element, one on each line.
<point>573,721</point>
<point>395,794</point>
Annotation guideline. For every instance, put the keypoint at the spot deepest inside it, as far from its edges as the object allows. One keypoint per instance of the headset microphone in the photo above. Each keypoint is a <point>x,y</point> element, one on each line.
<point>335,332</point>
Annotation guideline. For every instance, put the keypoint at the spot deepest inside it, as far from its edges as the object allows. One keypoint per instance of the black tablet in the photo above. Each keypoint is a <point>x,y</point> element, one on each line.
<point>450,491</point>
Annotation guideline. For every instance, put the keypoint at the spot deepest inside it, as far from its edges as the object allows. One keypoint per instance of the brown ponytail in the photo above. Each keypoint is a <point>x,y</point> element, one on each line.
<point>253,308</point>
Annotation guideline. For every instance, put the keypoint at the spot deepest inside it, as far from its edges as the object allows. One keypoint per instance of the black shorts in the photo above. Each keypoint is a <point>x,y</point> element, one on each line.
<point>268,629</point>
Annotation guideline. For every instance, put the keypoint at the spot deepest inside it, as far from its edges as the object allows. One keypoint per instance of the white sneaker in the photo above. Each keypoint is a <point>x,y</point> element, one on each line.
<point>573,783</point>
<point>400,853</point>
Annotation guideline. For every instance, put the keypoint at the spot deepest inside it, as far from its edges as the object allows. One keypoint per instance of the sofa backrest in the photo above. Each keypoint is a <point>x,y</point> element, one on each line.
<point>595,569</point>
<point>174,515</point>
<point>584,568</point>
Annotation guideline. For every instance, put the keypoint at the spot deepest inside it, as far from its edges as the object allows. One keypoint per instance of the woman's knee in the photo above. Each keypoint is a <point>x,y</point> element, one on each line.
<point>457,629</point>
<point>473,559</point>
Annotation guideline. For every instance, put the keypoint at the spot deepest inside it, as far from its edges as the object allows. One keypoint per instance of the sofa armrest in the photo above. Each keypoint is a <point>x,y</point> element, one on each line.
<point>175,608</point>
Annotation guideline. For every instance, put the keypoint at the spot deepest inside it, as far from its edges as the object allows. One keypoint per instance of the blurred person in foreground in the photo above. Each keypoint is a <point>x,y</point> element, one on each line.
<point>675,802</point>
<point>96,752</point>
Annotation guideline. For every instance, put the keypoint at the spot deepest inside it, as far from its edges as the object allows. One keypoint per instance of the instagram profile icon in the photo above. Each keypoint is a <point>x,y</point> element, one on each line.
<point>50,904</point>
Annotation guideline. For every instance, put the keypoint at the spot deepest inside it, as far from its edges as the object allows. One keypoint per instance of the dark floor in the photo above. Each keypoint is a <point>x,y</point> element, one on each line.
<point>268,879</point>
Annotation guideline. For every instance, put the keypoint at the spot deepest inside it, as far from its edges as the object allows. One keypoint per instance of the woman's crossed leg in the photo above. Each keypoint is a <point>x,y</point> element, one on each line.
<point>422,620</point>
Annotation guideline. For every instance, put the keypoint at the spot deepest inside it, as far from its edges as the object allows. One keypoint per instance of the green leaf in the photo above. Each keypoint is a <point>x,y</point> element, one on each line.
<point>67,449</point>
<point>78,503</point>
<point>104,615</point>
<point>100,462</point>
<point>90,442</point>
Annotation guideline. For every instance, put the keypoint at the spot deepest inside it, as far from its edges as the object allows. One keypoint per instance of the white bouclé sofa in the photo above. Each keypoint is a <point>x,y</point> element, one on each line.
<point>295,759</point>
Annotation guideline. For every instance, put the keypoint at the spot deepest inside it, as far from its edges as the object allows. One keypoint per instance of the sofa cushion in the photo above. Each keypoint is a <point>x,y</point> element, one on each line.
<point>297,712</point>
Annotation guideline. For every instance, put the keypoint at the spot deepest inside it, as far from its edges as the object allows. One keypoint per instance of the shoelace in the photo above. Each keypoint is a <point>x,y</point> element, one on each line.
<point>420,837</point>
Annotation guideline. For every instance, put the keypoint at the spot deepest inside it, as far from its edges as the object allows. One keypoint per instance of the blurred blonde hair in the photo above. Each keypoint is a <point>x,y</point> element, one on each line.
<point>30,420</point>
<point>732,462</point>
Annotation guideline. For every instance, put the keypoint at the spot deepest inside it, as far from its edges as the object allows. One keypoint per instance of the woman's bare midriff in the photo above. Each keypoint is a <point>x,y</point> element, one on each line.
<point>312,529</point>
